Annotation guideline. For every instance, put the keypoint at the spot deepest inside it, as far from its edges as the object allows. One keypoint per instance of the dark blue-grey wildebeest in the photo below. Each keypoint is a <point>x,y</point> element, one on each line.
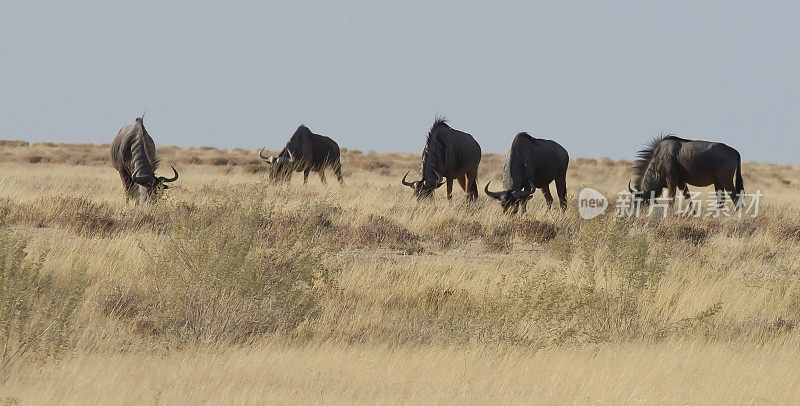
<point>673,163</point>
<point>305,152</point>
<point>532,163</point>
<point>449,154</point>
<point>133,155</point>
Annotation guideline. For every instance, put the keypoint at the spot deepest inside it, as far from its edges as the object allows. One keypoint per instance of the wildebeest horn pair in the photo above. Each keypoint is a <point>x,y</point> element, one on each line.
<point>427,183</point>
<point>271,159</point>
<point>517,194</point>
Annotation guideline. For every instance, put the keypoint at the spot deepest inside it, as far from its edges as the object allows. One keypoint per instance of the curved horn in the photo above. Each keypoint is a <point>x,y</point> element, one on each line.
<point>261,154</point>
<point>629,188</point>
<point>406,183</point>
<point>173,179</point>
<point>291,157</point>
<point>493,195</point>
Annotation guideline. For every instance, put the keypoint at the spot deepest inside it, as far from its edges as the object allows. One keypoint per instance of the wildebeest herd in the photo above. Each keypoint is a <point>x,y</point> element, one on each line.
<point>668,162</point>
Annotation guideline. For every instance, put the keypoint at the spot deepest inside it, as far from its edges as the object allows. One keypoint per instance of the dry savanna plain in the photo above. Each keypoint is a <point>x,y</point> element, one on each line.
<point>234,290</point>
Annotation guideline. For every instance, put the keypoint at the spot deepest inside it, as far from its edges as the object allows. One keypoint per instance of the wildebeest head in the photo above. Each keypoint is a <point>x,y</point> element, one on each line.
<point>281,167</point>
<point>423,189</point>
<point>509,199</point>
<point>155,184</point>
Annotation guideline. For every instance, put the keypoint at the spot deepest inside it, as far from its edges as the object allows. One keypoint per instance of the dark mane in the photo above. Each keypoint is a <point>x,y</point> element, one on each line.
<point>440,120</point>
<point>301,130</point>
<point>431,153</point>
<point>644,156</point>
<point>526,135</point>
<point>146,144</point>
<point>675,138</point>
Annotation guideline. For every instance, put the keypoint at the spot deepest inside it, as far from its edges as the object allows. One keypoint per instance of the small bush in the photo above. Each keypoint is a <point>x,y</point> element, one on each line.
<point>789,231</point>
<point>381,231</point>
<point>35,159</point>
<point>227,284</point>
<point>194,160</point>
<point>217,161</point>
<point>371,164</point>
<point>535,231</point>
<point>13,144</point>
<point>121,303</point>
<point>78,215</point>
<point>254,168</point>
<point>694,234</point>
<point>307,222</point>
<point>450,231</point>
<point>500,239</point>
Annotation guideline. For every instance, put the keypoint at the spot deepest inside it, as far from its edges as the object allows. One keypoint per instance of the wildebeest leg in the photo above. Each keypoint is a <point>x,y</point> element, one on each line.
<point>547,196</point>
<point>687,196</point>
<point>322,176</point>
<point>337,170</point>
<point>524,203</point>
<point>305,175</point>
<point>131,189</point>
<point>734,194</point>
<point>472,186</point>
<point>561,191</point>
<point>720,194</point>
<point>449,188</point>
<point>671,187</point>
<point>462,181</point>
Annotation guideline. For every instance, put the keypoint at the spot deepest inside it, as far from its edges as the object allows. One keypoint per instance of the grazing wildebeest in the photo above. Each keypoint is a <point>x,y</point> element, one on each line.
<point>532,163</point>
<point>449,154</point>
<point>133,155</point>
<point>305,152</point>
<point>673,163</point>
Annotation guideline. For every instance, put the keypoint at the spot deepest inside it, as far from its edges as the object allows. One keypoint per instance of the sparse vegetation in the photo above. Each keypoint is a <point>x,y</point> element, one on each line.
<point>229,269</point>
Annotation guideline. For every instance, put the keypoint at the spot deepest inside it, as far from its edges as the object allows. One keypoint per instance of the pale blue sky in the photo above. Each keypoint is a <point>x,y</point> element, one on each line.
<point>600,78</point>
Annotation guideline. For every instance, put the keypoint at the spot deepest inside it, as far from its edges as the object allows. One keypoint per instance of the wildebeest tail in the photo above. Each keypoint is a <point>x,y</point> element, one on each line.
<point>739,185</point>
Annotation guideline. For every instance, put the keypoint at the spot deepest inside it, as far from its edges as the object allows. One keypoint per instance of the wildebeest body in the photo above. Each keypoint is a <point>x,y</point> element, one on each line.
<point>673,163</point>
<point>133,155</point>
<point>532,164</point>
<point>306,152</point>
<point>449,154</point>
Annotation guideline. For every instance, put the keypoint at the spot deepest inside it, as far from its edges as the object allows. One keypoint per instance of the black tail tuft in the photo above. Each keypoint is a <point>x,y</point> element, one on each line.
<point>739,181</point>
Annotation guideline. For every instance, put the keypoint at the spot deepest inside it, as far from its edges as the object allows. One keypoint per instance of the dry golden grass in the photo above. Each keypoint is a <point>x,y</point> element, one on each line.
<point>234,290</point>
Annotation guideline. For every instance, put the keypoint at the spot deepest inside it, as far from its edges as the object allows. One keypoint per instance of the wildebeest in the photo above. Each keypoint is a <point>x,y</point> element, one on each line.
<point>449,154</point>
<point>532,163</point>
<point>305,152</point>
<point>133,155</point>
<point>673,163</point>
